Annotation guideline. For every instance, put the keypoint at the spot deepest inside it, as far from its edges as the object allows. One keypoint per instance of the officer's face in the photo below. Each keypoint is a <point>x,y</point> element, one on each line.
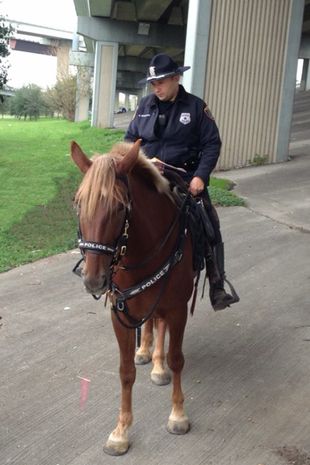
<point>166,89</point>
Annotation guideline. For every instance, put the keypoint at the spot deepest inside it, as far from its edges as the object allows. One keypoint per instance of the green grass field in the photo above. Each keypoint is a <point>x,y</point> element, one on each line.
<point>38,181</point>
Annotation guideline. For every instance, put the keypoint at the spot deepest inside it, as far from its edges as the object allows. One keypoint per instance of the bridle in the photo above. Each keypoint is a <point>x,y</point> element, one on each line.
<point>119,297</point>
<point>117,251</point>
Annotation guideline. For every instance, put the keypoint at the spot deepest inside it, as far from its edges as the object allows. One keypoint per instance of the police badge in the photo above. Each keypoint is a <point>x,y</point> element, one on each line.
<point>185,118</point>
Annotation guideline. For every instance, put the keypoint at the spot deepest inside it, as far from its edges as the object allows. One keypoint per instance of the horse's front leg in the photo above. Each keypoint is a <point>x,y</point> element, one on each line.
<point>118,442</point>
<point>178,422</point>
<point>144,353</point>
<point>160,374</point>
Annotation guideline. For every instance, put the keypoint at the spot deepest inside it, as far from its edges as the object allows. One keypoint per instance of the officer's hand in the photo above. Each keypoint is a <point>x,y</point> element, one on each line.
<point>196,186</point>
<point>159,164</point>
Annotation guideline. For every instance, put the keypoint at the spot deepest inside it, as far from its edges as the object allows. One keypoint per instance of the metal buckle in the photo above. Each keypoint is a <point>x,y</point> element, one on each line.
<point>125,233</point>
<point>123,250</point>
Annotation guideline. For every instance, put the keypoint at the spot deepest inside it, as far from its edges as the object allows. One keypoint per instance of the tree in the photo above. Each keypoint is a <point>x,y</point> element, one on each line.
<point>4,105</point>
<point>5,32</point>
<point>62,97</point>
<point>28,102</point>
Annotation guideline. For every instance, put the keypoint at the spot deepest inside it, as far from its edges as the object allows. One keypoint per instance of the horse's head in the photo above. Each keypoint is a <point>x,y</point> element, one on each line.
<point>103,203</point>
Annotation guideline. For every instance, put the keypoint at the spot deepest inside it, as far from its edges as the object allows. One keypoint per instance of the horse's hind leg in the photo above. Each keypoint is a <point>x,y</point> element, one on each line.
<point>178,422</point>
<point>144,354</point>
<point>160,374</point>
<point>118,442</point>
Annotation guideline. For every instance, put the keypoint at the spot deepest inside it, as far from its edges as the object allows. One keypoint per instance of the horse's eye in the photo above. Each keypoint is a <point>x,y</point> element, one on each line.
<point>120,207</point>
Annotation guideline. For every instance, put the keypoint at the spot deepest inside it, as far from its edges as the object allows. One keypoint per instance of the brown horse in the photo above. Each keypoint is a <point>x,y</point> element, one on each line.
<point>136,249</point>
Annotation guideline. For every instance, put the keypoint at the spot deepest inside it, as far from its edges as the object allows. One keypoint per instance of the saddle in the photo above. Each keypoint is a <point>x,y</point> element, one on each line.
<point>200,227</point>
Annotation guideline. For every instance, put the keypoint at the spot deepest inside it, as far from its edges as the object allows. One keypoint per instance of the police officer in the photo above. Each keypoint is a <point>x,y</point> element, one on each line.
<point>177,128</point>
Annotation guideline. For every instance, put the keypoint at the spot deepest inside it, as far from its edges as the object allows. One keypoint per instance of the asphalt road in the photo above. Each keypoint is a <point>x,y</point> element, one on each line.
<point>247,371</point>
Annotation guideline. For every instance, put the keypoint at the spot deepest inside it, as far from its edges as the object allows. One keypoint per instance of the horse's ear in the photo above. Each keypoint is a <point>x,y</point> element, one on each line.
<point>79,157</point>
<point>130,159</point>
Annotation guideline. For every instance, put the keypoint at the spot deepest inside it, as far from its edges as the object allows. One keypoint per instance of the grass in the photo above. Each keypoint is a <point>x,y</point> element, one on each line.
<point>37,184</point>
<point>221,193</point>
<point>38,181</point>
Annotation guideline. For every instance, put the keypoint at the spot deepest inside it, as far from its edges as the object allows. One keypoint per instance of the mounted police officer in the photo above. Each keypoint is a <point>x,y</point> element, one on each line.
<point>177,128</point>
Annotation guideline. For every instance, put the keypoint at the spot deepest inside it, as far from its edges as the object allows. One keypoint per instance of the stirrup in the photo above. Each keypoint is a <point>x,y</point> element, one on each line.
<point>227,300</point>
<point>232,290</point>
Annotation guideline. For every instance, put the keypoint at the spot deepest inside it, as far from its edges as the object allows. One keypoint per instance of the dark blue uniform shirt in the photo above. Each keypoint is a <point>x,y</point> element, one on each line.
<point>190,139</point>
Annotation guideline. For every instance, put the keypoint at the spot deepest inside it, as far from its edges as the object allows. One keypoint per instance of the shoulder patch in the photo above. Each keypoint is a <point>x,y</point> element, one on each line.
<point>208,112</point>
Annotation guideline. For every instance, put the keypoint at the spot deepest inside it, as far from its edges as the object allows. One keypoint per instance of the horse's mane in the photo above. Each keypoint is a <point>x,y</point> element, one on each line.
<point>100,183</point>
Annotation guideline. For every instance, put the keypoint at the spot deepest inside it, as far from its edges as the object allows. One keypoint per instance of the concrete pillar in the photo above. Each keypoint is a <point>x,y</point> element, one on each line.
<point>127,103</point>
<point>133,100</point>
<point>141,93</point>
<point>196,46</point>
<point>305,78</point>
<point>63,51</point>
<point>117,102</point>
<point>82,93</point>
<point>289,81</point>
<point>104,84</point>
<point>307,82</point>
<point>84,63</point>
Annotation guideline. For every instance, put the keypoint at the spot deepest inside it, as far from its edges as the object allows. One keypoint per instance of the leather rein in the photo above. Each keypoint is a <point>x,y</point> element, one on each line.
<point>120,297</point>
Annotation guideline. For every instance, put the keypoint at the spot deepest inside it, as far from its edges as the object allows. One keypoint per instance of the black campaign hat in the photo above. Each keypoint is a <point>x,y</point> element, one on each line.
<point>162,66</point>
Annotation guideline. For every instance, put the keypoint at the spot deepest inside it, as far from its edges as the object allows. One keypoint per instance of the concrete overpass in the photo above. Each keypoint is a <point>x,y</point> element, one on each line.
<point>243,58</point>
<point>70,50</point>
<point>43,40</point>
<point>54,42</point>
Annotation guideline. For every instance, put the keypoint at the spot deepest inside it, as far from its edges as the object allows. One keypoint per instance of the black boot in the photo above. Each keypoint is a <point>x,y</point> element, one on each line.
<point>214,256</point>
<point>220,299</point>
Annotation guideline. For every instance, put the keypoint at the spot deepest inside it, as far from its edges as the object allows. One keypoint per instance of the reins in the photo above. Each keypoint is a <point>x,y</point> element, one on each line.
<point>121,297</point>
<point>155,251</point>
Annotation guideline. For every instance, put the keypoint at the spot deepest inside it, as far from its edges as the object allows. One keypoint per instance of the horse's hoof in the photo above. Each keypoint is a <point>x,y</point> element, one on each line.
<point>178,427</point>
<point>161,379</point>
<point>142,359</point>
<point>116,448</point>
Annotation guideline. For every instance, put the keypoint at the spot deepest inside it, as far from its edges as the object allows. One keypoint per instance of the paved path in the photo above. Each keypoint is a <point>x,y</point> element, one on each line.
<point>246,378</point>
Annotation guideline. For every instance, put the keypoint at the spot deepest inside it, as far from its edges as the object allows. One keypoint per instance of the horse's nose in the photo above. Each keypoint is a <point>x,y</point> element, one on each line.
<point>95,284</point>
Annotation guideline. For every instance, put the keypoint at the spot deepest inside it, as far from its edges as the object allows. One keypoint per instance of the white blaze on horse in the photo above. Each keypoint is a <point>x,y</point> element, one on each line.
<point>136,248</point>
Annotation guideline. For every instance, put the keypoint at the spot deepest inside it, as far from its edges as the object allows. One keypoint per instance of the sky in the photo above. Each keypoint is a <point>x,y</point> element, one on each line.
<point>30,68</point>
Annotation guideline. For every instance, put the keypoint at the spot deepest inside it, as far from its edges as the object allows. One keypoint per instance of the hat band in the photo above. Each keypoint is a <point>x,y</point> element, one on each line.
<point>161,76</point>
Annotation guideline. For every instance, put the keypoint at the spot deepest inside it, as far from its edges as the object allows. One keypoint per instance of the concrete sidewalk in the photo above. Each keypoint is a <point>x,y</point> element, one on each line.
<point>246,375</point>
<point>280,192</point>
